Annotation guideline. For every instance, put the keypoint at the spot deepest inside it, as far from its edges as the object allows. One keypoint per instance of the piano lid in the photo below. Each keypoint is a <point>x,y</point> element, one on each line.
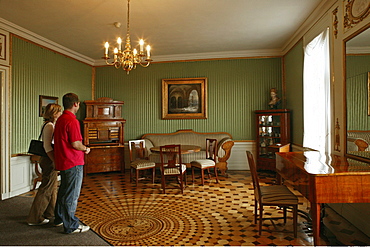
<point>313,163</point>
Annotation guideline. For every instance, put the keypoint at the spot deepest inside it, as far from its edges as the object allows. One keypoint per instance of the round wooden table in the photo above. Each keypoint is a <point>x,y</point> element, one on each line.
<point>185,149</point>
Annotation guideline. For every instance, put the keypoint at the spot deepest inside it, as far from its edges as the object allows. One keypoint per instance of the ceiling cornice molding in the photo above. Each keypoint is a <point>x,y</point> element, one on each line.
<point>358,50</point>
<point>211,55</point>
<point>311,20</point>
<point>33,37</point>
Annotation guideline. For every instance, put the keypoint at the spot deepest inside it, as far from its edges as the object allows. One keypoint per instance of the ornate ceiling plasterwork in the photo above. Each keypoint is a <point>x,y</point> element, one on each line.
<point>355,12</point>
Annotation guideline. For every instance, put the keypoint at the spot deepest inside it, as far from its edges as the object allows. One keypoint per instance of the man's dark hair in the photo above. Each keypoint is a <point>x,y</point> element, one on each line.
<point>69,99</point>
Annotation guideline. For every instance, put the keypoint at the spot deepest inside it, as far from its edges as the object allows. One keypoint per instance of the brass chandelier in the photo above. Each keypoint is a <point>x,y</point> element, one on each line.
<point>128,59</point>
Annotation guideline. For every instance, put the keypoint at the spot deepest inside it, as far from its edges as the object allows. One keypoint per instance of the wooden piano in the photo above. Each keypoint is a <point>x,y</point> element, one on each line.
<point>339,180</point>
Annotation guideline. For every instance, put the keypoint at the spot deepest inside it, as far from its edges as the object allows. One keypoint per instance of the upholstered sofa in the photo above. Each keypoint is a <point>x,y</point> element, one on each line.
<point>189,137</point>
<point>358,140</point>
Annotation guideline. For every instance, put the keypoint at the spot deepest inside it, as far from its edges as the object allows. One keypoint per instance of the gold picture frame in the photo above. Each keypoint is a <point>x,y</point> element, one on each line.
<point>184,98</point>
<point>4,47</point>
<point>44,101</point>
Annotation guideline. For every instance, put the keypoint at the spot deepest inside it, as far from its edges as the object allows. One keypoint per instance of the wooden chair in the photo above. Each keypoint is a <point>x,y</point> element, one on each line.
<point>274,195</point>
<point>284,148</point>
<point>35,159</point>
<point>139,161</point>
<point>172,166</point>
<point>207,163</point>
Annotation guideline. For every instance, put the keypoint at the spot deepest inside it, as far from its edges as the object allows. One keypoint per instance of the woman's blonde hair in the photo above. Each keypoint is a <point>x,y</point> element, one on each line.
<point>50,110</point>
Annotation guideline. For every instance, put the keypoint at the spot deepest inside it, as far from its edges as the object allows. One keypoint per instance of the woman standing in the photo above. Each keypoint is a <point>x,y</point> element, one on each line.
<point>44,203</point>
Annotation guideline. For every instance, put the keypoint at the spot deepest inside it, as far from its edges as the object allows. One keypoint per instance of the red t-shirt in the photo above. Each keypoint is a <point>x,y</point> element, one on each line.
<point>67,130</point>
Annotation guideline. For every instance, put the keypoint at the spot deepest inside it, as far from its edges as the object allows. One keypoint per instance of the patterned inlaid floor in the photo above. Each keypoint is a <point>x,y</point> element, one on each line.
<point>214,214</point>
<point>210,215</point>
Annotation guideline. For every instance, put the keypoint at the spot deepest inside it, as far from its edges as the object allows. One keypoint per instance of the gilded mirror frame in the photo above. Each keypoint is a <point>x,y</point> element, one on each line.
<point>348,139</point>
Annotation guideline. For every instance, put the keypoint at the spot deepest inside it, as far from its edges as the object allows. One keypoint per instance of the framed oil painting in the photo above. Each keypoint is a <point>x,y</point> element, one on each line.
<point>4,47</point>
<point>184,98</point>
<point>44,101</point>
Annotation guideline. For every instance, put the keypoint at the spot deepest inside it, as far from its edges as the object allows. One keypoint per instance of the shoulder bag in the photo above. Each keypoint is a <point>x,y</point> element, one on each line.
<point>37,146</point>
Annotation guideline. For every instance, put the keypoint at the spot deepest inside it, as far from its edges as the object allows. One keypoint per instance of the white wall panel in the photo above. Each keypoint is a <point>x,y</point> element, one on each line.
<point>21,174</point>
<point>238,158</point>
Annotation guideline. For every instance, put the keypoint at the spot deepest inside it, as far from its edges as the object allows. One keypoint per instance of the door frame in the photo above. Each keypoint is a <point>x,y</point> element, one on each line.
<point>5,95</point>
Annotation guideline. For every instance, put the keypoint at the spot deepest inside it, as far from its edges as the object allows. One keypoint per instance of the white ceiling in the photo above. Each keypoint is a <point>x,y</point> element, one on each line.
<point>174,28</point>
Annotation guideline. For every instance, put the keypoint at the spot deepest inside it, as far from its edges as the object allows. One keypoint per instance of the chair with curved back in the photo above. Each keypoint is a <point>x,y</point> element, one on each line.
<point>207,163</point>
<point>138,160</point>
<point>274,195</point>
<point>172,166</point>
<point>35,159</point>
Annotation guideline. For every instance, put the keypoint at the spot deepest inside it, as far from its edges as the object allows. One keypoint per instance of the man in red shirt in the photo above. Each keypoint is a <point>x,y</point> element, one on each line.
<point>69,160</point>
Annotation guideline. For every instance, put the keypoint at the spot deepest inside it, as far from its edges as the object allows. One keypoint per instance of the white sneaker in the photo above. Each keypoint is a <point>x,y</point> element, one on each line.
<point>60,224</point>
<point>81,228</point>
<point>45,221</point>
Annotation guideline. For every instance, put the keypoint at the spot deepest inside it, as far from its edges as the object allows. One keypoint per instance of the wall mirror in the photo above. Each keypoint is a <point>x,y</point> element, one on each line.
<point>358,95</point>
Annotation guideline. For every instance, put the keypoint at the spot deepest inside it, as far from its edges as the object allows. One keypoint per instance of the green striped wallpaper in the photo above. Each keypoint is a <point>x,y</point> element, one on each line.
<point>357,92</point>
<point>39,71</point>
<point>236,88</point>
<point>293,63</point>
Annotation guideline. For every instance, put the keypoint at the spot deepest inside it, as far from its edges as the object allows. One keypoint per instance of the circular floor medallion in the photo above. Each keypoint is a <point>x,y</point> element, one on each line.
<point>130,228</point>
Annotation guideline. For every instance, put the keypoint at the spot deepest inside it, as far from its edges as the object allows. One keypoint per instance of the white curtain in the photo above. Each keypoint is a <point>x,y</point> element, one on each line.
<point>316,94</point>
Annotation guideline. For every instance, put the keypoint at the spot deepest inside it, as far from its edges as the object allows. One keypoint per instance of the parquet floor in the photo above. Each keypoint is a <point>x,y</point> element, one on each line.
<point>214,214</point>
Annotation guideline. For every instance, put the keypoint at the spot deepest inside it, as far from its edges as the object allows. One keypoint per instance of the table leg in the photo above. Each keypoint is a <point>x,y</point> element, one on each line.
<point>279,179</point>
<point>222,166</point>
<point>316,221</point>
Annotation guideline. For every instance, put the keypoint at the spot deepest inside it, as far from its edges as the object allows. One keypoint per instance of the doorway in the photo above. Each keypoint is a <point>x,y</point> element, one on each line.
<point>4,132</point>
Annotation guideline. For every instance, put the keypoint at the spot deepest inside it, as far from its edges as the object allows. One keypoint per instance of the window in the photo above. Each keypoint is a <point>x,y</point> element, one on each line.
<point>316,94</point>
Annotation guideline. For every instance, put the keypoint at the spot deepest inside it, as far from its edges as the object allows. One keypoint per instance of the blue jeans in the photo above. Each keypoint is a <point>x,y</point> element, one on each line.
<point>68,194</point>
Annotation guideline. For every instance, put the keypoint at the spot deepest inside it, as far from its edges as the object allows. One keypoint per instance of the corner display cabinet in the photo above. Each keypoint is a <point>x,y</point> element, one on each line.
<point>104,134</point>
<point>273,131</point>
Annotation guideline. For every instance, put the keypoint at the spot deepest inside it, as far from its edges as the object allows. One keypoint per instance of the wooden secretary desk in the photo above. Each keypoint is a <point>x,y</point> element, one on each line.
<point>104,134</point>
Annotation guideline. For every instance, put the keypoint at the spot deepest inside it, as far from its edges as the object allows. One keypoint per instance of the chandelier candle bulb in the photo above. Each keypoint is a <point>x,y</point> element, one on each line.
<point>141,43</point>
<point>119,41</point>
<point>106,48</point>
<point>115,53</point>
<point>148,51</point>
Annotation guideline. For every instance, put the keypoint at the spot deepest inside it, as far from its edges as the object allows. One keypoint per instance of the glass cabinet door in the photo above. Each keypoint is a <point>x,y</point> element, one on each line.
<point>269,133</point>
<point>273,131</point>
